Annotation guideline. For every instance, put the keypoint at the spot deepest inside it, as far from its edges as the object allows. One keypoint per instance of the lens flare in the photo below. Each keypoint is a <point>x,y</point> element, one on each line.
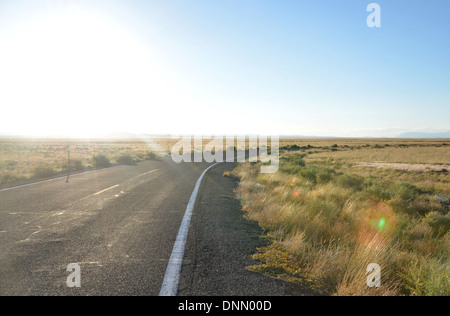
<point>381,223</point>
<point>378,226</point>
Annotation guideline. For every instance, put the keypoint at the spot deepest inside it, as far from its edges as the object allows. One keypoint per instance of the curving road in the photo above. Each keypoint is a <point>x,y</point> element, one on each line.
<point>119,225</point>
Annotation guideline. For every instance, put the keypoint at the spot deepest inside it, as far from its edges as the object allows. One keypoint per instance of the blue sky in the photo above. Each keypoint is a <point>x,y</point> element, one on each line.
<point>224,67</point>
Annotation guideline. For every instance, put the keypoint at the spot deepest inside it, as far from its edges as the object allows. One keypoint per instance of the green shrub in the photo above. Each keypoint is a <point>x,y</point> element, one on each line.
<point>352,181</point>
<point>377,192</point>
<point>7,177</point>
<point>125,159</point>
<point>44,172</point>
<point>406,191</point>
<point>75,164</point>
<point>325,209</point>
<point>100,161</point>
<point>295,159</point>
<point>292,164</point>
<point>438,222</point>
<point>317,174</point>
<point>10,165</point>
<point>427,277</point>
<point>425,203</point>
<point>309,174</point>
<point>324,175</point>
<point>150,155</point>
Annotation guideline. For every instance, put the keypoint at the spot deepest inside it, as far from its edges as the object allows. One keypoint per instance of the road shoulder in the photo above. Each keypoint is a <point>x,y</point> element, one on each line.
<point>220,245</point>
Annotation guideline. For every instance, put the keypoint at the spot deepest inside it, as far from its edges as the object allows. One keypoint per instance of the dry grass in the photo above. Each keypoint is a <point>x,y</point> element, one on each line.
<point>22,159</point>
<point>40,158</point>
<point>361,142</point>
<point>333,219</point>
<point>410,155</point>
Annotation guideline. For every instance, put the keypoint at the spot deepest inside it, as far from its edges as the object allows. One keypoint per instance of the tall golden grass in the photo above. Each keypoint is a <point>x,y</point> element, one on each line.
<point>332,220</point>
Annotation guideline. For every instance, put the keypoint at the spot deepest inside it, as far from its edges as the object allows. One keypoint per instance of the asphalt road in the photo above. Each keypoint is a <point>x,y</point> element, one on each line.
<point>119,225</point>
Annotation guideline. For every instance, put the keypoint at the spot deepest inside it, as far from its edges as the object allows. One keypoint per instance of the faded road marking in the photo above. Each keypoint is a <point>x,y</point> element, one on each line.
<point>144,174</point>
<point>110,188</point>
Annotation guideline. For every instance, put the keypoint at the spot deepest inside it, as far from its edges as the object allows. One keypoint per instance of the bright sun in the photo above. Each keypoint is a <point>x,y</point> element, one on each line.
<point>76,72</point>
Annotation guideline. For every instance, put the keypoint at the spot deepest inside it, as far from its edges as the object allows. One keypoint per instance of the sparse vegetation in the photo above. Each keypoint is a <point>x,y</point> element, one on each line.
<point>328,219</point>
<point>327,215</point>
<point>22,159</point>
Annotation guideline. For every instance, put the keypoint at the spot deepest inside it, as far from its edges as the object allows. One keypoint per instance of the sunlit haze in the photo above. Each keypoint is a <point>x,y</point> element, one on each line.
<point>89,68</point>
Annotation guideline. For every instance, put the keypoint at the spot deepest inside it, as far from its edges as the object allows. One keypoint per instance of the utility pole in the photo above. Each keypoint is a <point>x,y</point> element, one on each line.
<point>68,170</point>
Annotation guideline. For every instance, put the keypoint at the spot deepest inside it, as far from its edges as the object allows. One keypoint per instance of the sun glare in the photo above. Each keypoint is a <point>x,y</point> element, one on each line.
<point>74,70</point>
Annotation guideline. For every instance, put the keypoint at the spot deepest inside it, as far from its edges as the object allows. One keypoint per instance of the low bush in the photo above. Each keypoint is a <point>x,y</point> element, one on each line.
<point>438,222</point>
<point>406,191</point>
<point>427,277</point>
<point>292,164</point>
<point>125,159</point>
<point>100,161</point>
<point>75,164</point>
<point>376,192</point>
<point>10,165</point>
<point>309,173</point>
<point>325,175</point>
<point>7,177</point>
<point>351,181</point>
<point>150,155</point>
<point>44,172</point>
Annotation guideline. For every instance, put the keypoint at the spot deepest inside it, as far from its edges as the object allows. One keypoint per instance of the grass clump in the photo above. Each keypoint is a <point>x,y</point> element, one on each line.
<point>427,277</point>
<point>150,155</point>
<point>125,159</point>
<point>75,165</point>
<point>100,161</point>
<point>351,181</point>
<point>278,262</point>
<point>44,172</point>
<point>406,191</point>
<point>8,177</point>
<point>292,164</point>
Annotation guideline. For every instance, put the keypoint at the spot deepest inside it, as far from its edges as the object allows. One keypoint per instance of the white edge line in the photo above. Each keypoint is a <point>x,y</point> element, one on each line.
<point>170,283</point>
<point>172,276</point>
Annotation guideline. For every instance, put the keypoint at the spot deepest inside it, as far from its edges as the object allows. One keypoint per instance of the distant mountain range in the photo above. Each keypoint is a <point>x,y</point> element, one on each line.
<point>424,135</point>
